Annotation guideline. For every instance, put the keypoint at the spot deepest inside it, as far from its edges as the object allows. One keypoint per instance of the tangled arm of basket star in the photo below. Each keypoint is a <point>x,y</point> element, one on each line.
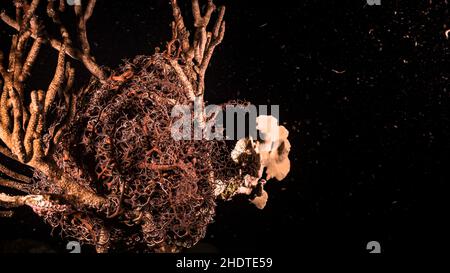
<point>105,169</point>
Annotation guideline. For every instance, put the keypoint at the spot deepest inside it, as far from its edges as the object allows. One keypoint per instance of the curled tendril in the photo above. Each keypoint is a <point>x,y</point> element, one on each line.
<point>160,191</point>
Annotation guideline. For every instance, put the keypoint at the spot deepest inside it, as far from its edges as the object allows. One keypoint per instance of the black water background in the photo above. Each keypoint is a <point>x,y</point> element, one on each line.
<point>370,151</point>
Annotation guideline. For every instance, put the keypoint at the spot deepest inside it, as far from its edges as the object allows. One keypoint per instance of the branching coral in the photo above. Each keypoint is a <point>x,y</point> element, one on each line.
<point>106,170</point>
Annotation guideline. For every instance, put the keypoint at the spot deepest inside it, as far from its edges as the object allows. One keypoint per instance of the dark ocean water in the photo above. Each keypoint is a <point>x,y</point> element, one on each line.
<point>364,92</point>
